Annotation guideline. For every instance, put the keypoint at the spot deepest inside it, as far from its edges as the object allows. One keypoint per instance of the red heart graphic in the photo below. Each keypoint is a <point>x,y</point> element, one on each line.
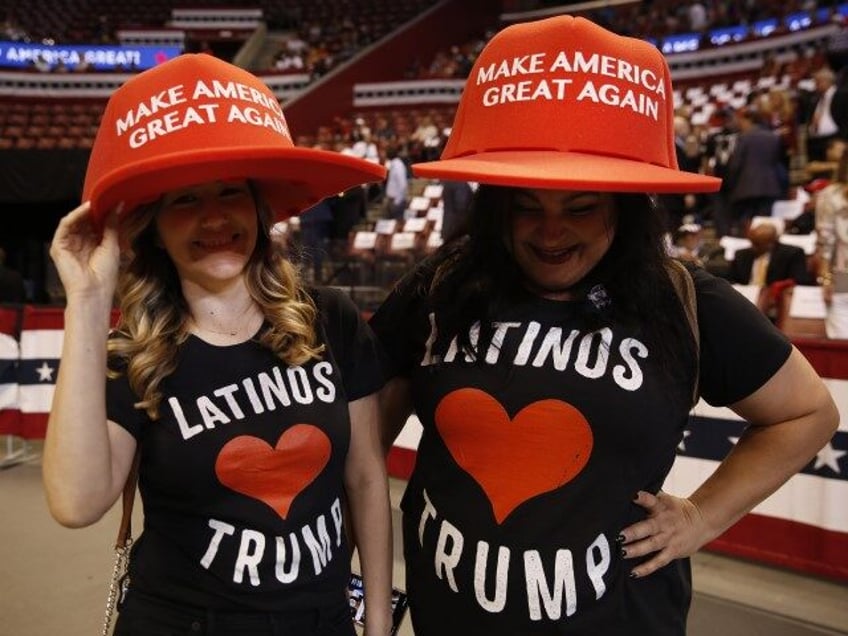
<point>275,475</point>
<point>543,447</point>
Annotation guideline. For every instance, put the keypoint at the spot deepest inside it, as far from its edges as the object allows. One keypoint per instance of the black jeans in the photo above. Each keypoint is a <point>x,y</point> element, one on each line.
<point>143,615</point>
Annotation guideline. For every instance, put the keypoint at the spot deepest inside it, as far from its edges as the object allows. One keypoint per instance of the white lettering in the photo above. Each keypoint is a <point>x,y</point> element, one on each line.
<point>280,572</point>
<point>629,376</point>
<point>320,548</point>
<point>596,568</point>
<point>251,549</point>
<point>582,365</point>
<point>497,603</point>
<point>538,592</point>
<point>448,552</point>
<point>186,430</point>
<point>220,529</point>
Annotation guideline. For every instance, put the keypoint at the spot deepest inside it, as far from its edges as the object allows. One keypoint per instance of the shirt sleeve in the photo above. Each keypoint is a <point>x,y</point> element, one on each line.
<point>740,348</point>
<point>120,409</point>
<point>352,344</point>
<point>402,326</point>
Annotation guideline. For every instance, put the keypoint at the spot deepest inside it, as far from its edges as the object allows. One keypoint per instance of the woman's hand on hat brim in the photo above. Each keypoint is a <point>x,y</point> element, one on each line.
<point>87,256</point>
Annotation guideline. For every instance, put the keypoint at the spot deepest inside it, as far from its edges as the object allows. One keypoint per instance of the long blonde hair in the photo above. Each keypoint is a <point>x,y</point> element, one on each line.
<point>154,315</point>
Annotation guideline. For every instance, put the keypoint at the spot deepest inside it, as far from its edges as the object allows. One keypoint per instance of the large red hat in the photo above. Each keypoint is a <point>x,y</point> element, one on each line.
<point>563,103</point>
<point>196,119</point>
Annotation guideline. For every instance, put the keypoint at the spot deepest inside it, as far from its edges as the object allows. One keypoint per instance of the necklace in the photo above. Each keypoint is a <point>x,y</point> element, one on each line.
<point>242,325</point>
<point>221,333</point>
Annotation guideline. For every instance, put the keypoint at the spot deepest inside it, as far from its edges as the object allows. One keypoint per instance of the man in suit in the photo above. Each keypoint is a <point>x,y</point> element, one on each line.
<point>753,171</point>
<point>823,127</point>
<point>768,260</point>
<point>837,59</point>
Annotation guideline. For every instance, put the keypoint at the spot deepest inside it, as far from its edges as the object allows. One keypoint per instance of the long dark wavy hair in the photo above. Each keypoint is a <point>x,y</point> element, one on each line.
<point>472,278</point>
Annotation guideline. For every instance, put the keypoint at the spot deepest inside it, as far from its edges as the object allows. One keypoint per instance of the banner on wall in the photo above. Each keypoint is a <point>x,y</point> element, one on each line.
<point>96,57</point>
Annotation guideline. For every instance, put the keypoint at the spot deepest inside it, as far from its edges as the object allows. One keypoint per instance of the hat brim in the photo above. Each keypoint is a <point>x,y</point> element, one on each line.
<point>553,169</point>
<point>290,179</point>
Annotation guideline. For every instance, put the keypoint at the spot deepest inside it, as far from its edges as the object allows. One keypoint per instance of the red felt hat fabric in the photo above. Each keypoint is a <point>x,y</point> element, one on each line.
<point>197,118</point>
<point>563,103</point>
<point>816,185</point>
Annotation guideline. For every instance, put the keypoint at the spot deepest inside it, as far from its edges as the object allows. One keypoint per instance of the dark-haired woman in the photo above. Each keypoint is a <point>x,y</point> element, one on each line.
<point>549,357</point>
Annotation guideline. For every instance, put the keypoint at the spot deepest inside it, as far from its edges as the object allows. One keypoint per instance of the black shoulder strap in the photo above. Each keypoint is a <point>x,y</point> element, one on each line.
<point>681,279</point>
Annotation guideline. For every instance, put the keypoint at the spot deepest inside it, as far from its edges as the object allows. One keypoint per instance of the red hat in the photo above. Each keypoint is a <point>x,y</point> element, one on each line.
<point>816,185</point>
<point>563,103</point>
<point>196,119</point>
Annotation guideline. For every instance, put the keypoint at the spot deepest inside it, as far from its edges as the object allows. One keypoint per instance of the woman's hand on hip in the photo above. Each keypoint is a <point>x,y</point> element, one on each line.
<point>673,529</point>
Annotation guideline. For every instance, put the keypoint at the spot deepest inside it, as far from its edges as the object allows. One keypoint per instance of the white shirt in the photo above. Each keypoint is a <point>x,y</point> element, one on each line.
<point>397,181</point>
<point>826,125</point>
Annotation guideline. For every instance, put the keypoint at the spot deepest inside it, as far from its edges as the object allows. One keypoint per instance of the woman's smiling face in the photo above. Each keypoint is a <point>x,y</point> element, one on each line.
<point>209,230</point>
<point>558,236</point>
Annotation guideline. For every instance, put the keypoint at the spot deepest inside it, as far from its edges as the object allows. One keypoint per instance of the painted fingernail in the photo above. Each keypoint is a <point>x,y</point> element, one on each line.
<point>619,538</point>
<point>636,496</point>
<point>624,553</point>
<point>633,575</point>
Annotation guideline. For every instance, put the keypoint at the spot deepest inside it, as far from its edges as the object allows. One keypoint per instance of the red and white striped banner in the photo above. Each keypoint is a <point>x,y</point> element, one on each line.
<point>42,332</point>
<point>10,421</point>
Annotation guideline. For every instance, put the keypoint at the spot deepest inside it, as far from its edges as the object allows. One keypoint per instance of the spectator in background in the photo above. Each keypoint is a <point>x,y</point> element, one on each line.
<point>823,128</point>
<point>687,242</point>
<point>828,168</point>
<point>396,194</point>
<point>832,232</point>
<point>426,139</point>
<point>698,20</point>
<point>768,260</point>
<point>349,208</point>
<point>679,206</point>
<point>836,52</point>
<point>316,225</point>
<point>779,114</point>
<point>832,249</point>
<point>456,202</point>
<point>12,288</point>
<point>383,131</point>
<point>805,223</point>
<point>688,245</point>
<point>719,148</point>
<point>754,171</point>
<point>364,146</point>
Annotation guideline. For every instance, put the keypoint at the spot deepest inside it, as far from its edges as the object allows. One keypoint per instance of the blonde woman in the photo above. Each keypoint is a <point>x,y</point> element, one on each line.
<point>249,398</point>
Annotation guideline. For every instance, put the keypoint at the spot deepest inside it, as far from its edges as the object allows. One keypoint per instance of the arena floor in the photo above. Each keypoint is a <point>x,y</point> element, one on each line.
<point>54,580</point>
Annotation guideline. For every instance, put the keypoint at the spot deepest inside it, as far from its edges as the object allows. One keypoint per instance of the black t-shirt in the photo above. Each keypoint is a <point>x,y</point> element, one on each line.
<point>529,462</point>
<point>242,476</point>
